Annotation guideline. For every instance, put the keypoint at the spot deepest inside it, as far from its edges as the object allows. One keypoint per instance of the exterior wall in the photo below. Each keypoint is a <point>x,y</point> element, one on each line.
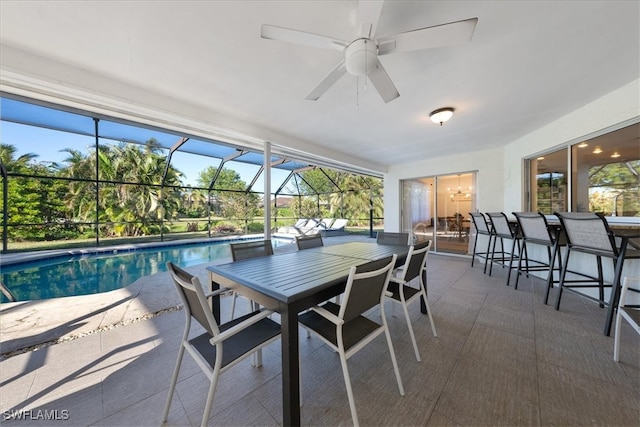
<point>489,180</point>
<point>620,106</point>
<point>500,170</point>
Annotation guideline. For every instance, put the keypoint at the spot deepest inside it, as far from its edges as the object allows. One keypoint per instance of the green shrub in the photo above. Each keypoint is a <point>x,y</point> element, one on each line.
<point>255,227</point>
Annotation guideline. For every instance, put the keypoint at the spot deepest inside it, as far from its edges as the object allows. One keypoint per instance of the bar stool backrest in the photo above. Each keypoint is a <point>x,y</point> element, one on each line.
<point>480,223</point>
<point>500,224</point>
<point>588,232</point>
<point>534,227</point>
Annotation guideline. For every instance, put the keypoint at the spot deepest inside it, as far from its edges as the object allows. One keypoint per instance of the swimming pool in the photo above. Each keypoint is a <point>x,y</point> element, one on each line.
<point>105,271</point>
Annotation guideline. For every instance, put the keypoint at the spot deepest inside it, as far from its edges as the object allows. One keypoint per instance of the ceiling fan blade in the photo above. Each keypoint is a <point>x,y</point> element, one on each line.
<point>272,32</point>
<point>383,83</point>
<point>333,76</point>
<point>430,37</point>
<point>368,17</point>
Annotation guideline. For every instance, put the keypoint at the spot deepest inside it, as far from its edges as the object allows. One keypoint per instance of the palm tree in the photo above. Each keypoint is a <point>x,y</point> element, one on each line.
<point>7,154</point>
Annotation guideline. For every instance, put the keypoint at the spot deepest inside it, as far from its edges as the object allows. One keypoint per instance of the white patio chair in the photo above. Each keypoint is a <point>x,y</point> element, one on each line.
<point>344,327</point>
<point>627,311</point>
<point>403,293</point>
<point>246,250</point>
<point>221,346</point>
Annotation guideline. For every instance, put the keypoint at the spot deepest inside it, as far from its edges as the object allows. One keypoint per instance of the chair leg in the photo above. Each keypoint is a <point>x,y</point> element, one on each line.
<point>489,260</point>
<point>552,263</point>
<point>172,387</point>
<point>392,352</point>
<point>513,251</point>
<point>256,360</point>
<point>433,325</point>
<point>233,304</point>
<point>411,334</point>
<point>563,274</point>
<point>616,338</point>
<point>475,245</point>
<point>615,289</point>
<point>601,282</point>
<point>210,394</point>
<point>347,383</point>
<point>523,253</point>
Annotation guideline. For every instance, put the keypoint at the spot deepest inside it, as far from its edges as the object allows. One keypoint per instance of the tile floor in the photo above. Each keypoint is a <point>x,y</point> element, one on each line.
<point>501,358</point>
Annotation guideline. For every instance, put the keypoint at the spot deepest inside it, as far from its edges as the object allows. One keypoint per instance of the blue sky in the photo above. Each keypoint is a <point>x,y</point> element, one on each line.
<point>47,144</point>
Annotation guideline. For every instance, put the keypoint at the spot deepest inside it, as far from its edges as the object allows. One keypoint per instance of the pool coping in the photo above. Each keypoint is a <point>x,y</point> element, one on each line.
<point>26,257</point>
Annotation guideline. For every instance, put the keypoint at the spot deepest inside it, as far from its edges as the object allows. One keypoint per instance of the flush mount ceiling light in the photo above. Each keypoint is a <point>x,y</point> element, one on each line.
<point>441,115</point>
<point>597,150</point>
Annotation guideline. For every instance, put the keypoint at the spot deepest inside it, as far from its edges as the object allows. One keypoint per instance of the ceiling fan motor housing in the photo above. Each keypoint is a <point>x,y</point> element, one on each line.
<point>361,57</point>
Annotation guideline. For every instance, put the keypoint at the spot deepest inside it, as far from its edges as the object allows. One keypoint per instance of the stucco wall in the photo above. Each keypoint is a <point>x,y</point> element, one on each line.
<point>500,170</point>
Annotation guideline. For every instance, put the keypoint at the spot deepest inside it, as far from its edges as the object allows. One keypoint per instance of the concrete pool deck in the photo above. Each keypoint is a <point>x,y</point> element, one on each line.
<point>29,325</point>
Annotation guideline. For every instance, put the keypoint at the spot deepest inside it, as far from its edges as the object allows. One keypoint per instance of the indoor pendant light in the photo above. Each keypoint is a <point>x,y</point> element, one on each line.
<point>441,115</point>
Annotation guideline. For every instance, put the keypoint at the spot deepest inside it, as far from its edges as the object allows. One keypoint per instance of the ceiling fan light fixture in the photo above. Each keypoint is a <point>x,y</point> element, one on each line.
<point>361,57</point>
<point>441,115</point>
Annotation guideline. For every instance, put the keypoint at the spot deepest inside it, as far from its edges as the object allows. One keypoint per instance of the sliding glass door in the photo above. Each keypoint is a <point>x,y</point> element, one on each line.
<point>437,208</point>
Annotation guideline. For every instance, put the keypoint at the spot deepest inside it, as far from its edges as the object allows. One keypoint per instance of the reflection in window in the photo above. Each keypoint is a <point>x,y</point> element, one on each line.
<point>549,178</point>
<point>607,175</point>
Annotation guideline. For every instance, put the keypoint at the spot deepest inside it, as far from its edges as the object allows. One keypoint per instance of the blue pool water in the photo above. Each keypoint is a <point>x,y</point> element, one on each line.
<point>89,274</point>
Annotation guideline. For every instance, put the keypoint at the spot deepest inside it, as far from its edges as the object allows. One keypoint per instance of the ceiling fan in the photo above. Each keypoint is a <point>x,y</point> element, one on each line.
<point>361,54</point>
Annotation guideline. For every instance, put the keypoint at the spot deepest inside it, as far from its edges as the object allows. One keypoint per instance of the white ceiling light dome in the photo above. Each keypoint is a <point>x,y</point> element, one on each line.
<point>361,57</point>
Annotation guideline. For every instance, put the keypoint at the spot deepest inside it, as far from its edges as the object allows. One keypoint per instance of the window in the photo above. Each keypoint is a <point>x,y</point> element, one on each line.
<point>605,176</point>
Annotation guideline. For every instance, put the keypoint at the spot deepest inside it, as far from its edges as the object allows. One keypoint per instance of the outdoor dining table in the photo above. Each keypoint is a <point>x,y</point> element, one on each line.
<point>289,283</point>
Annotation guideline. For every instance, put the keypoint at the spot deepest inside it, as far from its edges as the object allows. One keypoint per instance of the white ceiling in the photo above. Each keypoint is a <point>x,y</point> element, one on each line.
<point>529,62</point>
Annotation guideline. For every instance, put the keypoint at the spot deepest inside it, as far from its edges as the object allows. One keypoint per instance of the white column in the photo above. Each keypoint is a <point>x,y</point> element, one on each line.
<point>267,190</point>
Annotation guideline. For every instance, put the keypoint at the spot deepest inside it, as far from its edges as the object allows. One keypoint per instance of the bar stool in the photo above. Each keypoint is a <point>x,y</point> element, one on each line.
<point>536,231</point>
<point>502,230</point>
<point>589,233</point>
<point>482,227</point>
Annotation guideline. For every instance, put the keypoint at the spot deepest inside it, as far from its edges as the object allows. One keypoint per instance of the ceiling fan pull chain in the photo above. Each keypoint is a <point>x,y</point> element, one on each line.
<point>357,93</point>
<point>365,66</point>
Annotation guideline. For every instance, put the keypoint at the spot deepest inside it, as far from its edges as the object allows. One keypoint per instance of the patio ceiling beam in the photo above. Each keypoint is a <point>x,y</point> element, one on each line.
<point>255,178</point>
<point>279,161</point>
<point>173,148</point>
<point>306,182</point>
<point>215,177</point>
<point>284,183</point>
<point>330,180</point>
<point>235,155</point>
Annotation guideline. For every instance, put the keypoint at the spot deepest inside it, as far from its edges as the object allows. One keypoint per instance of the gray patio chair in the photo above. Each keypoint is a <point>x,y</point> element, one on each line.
<point>251,249</point>
<point>482,228</point>
<point>221,346</point>
<point>627,311</point>
<point>344,327</point>
<point>502,230</point>
<point>246,250</point>
<point>403,293</point>
<point>309,241</point>
<point>388,238</point>
<point>589,233</point>
<point>536,230</point>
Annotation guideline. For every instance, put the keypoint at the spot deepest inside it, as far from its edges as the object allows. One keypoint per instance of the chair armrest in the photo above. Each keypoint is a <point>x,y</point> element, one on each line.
<point>216,292</point>
<point>396,280</point>
<point>328,315</point>
<point>240,326</point>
